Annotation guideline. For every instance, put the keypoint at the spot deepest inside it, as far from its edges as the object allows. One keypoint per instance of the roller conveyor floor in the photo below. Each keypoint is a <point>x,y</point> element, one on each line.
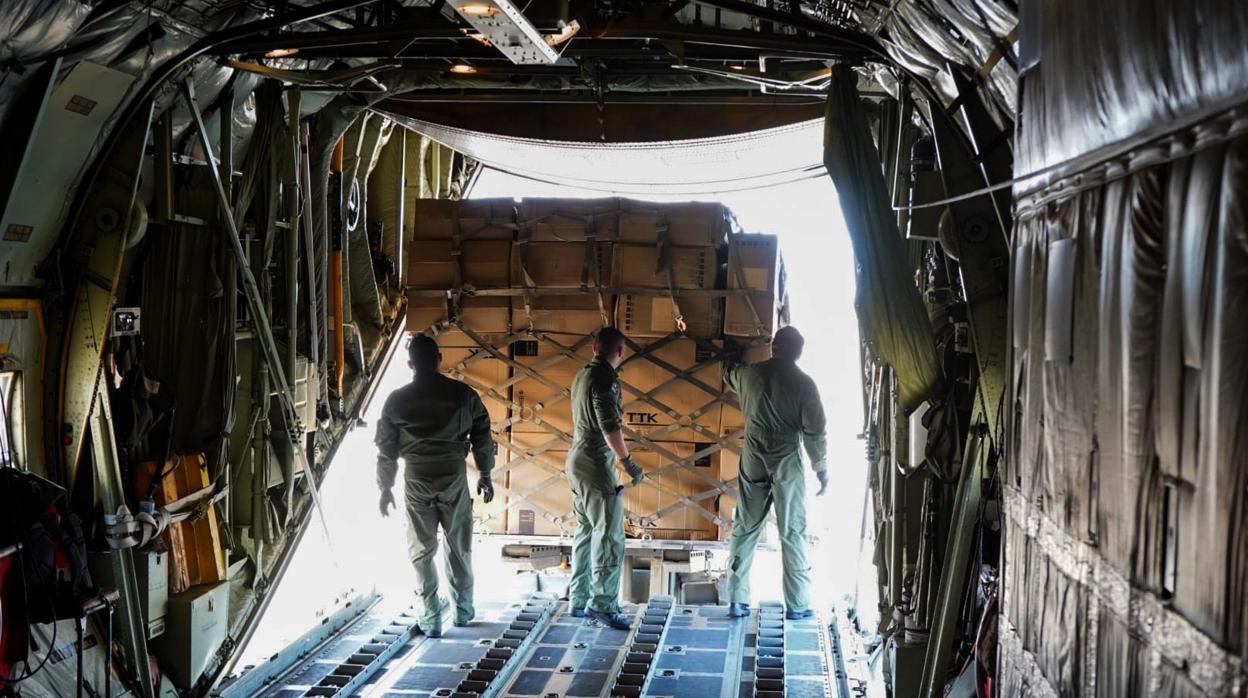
<point>536,648</point>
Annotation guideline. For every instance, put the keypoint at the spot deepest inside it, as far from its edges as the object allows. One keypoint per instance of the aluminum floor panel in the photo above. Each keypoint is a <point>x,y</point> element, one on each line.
<point>574,657</point>
<point>311,670</point>
<point>490,651</point>
<point>700,654</point>
<point>670,651</point>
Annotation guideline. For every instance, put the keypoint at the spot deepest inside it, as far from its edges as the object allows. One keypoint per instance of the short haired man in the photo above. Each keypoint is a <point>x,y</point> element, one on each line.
<point>430,423</point>
<point>598,548</point>
<point>782,409</point>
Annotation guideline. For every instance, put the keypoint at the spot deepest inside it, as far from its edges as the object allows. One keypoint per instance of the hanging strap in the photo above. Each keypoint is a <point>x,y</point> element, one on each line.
<point>457,264</point>
<point>666,265</point>
<point>591,270</point>
<point>738,271</point>
<point>523,237</point>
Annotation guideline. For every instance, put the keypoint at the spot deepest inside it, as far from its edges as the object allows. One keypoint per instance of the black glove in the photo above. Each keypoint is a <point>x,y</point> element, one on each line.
<point>633,469</point>
<point>485,488</point>
<point>734,353</point>
<point>823,482</point>
<point>387,502</point>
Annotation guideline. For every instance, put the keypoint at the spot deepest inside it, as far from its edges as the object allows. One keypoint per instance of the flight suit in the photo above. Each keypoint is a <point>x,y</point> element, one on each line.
<point>782,411</point>
<point>598,548</point>
<point>430,423</point>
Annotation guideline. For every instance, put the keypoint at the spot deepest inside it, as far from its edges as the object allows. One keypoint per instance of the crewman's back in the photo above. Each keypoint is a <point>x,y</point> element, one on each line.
<point>777,401</point>
<point>432,417</point>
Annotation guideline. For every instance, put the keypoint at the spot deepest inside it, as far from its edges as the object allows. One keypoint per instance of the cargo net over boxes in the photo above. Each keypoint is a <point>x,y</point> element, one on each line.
<point>512,292</point>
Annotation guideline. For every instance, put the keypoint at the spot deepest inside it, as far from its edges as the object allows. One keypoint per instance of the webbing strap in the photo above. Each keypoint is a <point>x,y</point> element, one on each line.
<point>739,272</point>
<point>666,265</point>
<point>592,268</point>
<point>523,238</point>
<point>457,265</point>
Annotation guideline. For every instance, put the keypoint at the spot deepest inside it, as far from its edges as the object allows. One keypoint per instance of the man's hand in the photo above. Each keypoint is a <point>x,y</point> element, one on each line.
<point>633,469</point>
<point>387,502</point>
<point>485,488</point>
<point>733,352</point>
<point>823,482</point>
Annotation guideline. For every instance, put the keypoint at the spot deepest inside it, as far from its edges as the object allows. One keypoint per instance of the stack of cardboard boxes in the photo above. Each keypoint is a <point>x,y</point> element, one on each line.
<point>511,291</point>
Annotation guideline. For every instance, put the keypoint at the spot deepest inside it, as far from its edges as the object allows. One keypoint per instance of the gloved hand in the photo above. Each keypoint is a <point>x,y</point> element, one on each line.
<point>634,470</point>
<point>485,488</point>
<point>387,502</point>
<point>823,482</point>
<point>733,352</point>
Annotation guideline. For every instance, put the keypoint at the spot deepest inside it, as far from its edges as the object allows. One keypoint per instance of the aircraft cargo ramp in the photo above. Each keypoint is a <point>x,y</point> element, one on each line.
<point>535,647</point>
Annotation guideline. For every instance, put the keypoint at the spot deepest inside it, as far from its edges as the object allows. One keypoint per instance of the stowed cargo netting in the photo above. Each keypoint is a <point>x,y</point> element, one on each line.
<point>512,292</point>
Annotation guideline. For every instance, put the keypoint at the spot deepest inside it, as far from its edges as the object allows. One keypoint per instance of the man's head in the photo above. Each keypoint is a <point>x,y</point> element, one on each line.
<point>609,346</point>
<point>423,355</point>
<point>787,344</point>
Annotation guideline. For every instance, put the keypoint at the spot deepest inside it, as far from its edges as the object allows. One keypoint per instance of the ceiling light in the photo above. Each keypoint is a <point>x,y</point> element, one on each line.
<point>478,9</point>
<point>737,67</point>
<point>281,52</point>
<point>567,30</point>
<point>463,69</point>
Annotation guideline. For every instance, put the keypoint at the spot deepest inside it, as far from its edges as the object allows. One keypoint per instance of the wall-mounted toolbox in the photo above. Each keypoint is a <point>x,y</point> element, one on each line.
<point>196,625</point>
<point>571,267</point>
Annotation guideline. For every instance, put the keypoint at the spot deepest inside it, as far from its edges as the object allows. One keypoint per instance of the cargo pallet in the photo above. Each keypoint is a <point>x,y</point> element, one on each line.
<point>513,291</point>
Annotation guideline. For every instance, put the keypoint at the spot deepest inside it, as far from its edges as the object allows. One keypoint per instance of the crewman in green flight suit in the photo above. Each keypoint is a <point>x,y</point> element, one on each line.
<point>598,548</point>
<point>782,413</point>
<point>430,424</point>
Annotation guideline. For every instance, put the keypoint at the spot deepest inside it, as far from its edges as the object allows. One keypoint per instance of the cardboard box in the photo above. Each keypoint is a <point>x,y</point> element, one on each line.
<point>483,373</point>
<point>544,400</point>
<point>560,265</point>
<point>645,315</point>
<point>692,224</point>
<point>483,263</point>
<point>689,404</point>
<point>571,316</point>
<point>639,266</point>
<point>543,498</point>
<point>490,317</point>
<point>425,314</point>
<point>568,220</point>
<point>674,485</point>
<point>754,263</point>
<point>477,219</point>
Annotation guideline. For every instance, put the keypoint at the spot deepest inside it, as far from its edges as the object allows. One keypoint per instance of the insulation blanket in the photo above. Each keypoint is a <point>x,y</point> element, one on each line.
<point>1111,71</point>
<point>1131,422</point>
<point>1128,433</point>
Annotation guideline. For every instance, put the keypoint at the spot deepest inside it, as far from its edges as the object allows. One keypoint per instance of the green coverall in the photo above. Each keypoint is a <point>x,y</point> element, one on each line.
<point>781,407</point>
<point>429,423</point>
<point>598,548</point>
